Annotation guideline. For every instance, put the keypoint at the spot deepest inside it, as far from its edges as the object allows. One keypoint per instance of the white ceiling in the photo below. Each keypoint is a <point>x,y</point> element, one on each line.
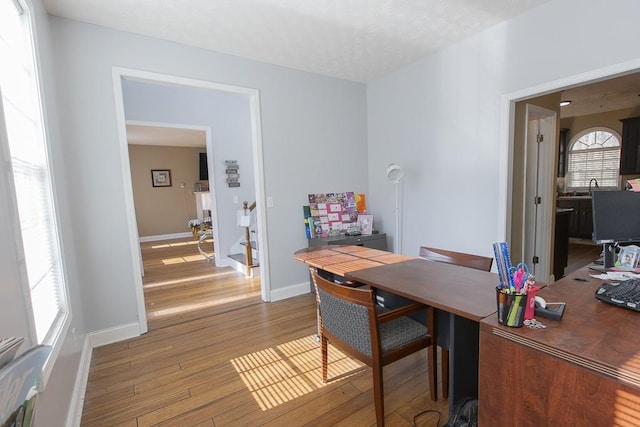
<point>356,40</point>
<point>160,135</point>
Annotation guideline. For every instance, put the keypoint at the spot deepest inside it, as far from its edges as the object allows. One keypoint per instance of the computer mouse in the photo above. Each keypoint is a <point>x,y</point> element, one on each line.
<point>540,302</point>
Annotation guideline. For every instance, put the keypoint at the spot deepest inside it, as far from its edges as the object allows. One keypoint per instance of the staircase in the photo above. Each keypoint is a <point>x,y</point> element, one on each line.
<point>247,261</point>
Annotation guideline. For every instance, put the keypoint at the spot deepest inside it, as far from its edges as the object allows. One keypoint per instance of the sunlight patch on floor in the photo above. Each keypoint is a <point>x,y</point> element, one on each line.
<point>199,306</point>
<point>278,375</point>
<point>174,244</point>
<point>227,272</point>
<point>178,260</point>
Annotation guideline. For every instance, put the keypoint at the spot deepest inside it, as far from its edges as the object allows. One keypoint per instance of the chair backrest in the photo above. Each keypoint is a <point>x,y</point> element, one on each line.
<point>458,258</point>
<point>348,314</point>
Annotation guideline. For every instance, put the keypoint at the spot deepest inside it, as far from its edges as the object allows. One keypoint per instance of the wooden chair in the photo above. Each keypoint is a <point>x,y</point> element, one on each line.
<point>354,323</point>
<point>462,259</point>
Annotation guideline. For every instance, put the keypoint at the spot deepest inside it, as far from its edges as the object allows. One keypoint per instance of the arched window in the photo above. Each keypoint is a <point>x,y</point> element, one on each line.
<point>593,153</point>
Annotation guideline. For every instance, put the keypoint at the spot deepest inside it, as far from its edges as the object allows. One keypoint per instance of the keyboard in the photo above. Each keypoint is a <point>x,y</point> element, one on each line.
<point>623,294</point>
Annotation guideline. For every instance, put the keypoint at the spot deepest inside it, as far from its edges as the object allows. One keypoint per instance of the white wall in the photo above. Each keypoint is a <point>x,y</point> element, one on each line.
<point>313,131</point>
<point>440,118</point>
<point>54,403</point>
<point>228,117</point>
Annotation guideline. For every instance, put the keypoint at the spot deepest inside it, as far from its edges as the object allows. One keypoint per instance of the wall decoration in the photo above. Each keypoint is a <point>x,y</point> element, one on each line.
<point>332,213</point>
<point>233,177</point>
<point>161,177</point>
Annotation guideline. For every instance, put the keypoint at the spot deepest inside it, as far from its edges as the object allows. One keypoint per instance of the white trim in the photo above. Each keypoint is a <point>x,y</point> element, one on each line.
<point>74,415</point>
<point>261,196</point>
<point>290,291</point>
<point>115,334</point>
<point>119,73</point>
<point>132,226</point>
<point>507,119</point>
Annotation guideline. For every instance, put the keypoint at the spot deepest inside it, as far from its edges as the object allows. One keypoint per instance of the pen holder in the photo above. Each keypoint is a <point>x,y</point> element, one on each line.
<point>511,308</point>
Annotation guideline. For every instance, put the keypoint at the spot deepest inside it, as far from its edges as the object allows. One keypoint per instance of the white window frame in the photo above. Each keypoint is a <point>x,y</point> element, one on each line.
<point>597,174</point>
<point>58,330</point>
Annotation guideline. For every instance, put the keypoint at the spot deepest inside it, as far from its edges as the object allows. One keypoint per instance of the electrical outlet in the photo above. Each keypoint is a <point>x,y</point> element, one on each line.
<point>235,200</point>
<point>182,185</point>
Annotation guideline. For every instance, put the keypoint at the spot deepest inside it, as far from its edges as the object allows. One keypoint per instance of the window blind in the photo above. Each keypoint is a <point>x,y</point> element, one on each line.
<point>41,263</point>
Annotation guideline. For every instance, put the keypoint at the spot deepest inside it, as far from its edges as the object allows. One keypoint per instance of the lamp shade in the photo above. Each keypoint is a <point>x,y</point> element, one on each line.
<point>395,173</point>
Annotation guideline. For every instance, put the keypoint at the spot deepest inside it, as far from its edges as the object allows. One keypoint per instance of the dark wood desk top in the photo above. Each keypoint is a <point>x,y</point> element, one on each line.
<point>466,292</point>
<point>592,334</point>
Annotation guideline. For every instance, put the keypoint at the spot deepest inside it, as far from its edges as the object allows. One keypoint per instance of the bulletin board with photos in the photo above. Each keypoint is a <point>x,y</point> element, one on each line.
<point>332,214</point>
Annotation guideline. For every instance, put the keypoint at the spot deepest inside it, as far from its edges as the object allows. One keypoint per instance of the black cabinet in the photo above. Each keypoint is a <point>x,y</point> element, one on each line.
<point>561,242</point>
<point>581,218</point>
<point>562,152</point>
<point>374,241</point>
<point>630,149</point>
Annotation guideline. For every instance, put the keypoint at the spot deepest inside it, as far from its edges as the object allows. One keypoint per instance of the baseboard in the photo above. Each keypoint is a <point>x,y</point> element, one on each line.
<point>74,417</point>
<point>290,291</point>
<point>111,335</point>
<point>92,340</point>
<point>165,237</point>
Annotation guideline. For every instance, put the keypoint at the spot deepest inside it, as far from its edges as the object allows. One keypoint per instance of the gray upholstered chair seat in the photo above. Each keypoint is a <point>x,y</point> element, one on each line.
<point>352,321</point>
<point>399,332</point>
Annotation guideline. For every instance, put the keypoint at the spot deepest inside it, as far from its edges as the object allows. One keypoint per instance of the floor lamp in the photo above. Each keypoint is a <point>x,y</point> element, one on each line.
<point>395,175</point>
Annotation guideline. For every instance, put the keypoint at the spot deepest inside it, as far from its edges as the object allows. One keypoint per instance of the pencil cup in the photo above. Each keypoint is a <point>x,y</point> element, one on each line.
<point>511,308</point>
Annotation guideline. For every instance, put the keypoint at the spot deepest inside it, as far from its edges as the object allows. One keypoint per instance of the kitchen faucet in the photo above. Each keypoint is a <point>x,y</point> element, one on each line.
<point>590,181</point>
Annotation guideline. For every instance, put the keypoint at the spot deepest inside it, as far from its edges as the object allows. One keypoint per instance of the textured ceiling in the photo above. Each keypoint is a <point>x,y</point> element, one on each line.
<point>357,40</point>
<point>603,96</point>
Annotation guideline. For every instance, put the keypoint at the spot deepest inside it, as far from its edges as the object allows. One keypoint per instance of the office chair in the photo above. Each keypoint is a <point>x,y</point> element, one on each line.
<point>352,321</point>
<point>457,258</point>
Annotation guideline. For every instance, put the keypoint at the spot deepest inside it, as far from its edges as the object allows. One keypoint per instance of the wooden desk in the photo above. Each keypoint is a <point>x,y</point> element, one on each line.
<point>467,294</point>
<point>340,260</point>
<point>583,370</point>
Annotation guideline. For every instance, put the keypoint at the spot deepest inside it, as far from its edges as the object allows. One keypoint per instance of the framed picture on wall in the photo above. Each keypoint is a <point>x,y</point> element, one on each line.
<point>161,177</point>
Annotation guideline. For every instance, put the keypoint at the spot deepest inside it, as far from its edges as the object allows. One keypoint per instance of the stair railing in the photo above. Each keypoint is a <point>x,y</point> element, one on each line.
<point>247,235</point>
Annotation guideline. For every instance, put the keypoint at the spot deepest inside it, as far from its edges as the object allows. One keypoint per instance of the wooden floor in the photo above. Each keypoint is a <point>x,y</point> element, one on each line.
<point>215,355</point>
<point>581,253</point>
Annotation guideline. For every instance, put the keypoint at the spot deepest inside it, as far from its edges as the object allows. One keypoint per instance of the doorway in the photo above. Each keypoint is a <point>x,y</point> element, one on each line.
<point>252,95</point>
<point>512,197</point>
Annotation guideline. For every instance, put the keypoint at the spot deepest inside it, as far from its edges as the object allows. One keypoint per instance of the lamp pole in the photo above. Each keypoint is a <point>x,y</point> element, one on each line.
<point>395,174</point>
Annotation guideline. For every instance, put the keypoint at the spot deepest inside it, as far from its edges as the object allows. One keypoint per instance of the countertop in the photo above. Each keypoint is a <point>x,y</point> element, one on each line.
<point>581,197</point>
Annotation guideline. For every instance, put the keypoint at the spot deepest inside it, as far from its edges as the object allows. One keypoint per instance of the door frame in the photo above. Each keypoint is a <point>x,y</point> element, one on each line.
<point>507,127</point>
<point>120,73</point>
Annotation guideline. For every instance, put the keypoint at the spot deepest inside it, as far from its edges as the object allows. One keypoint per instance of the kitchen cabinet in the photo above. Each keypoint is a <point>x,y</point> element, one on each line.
<point>561,242</point>
<point>630,148</point>
<point>581,218</point>
<point>562,152</point>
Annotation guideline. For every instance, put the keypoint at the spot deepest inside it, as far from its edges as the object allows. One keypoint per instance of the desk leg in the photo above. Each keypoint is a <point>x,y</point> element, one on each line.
<point>463,359</point>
